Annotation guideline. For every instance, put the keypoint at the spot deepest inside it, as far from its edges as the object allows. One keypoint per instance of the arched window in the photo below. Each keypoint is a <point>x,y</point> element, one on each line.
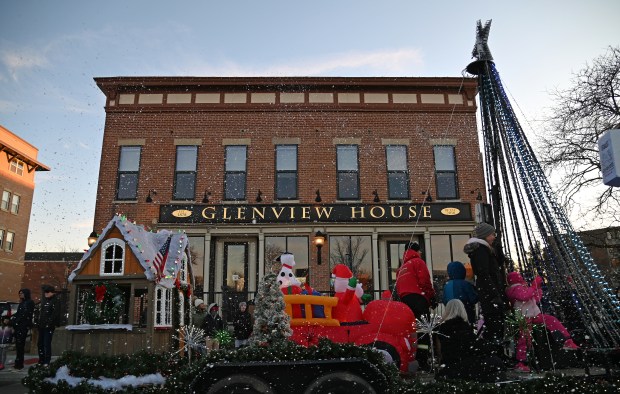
<point>112,257</point>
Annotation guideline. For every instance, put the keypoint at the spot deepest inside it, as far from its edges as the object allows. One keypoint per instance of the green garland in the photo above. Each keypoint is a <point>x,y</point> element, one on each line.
<point>109,309</point>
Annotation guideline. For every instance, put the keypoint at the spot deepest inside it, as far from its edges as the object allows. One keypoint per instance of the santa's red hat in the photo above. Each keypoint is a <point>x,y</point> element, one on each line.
<point>342,271</point>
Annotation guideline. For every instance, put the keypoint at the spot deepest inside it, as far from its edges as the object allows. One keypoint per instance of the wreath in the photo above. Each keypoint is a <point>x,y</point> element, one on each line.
<point>104,303</point>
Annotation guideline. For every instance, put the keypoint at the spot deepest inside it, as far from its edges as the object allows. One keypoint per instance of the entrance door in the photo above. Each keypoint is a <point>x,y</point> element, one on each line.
<point>235,275</point>
<point>395,251</point>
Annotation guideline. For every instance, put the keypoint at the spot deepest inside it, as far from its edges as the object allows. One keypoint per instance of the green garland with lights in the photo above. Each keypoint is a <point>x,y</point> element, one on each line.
<point>104,303</point>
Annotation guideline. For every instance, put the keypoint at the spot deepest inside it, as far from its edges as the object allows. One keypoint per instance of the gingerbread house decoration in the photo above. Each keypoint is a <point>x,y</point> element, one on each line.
<point>131,291</point>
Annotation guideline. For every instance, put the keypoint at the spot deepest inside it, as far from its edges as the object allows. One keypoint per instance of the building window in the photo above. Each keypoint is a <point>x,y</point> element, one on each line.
<point>128,172</point>
<point>354,251</point>
<point>348,172</point>
<point>398,175</point>
<point>17,166</point>
<point>10,238</point>
<point>163,306</point>
<point>286,172</point>
<point>15,204</point>
<point>1,238</point>
<point>235,178</point>
<point>185,173</point>
<point>6,198</point>
<point>298,246</point>
<point>112,257</point>
<point>446,248</point>
<point>445,172</point>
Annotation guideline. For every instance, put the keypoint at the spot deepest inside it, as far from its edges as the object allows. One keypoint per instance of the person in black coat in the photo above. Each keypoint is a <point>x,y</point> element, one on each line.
<point>21,322</point>
<point>49,319</point>
<point>242,325</point>
<point>490,281</point>
<point>464,355</point>
<point>211,325</point>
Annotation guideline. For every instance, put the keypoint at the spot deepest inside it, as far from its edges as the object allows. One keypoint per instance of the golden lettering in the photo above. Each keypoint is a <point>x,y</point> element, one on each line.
<point>305,212</point>
<point>211,214</point>
<point>320,211</point>
<point>400,211</point>
<point>427,211</point>
<point>277,214</point>
<point>257,212</point>
<point>292,211</point>
<point>412,212</point>
<point>225,214</point>
<point>355,211</point>
<point>372,212</point>
<point>240,213</point>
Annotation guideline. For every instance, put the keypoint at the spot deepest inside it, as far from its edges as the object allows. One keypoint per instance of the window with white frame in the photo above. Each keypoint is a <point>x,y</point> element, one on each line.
<point>6,199</point>
<point>128,173</point>
<point>236,172</point>
<point>445,172</point>
<point>348,172</point>
<point>185,172</point>
<point>163,306</point>
<point>112,257</point>
<point>15,204</point>
<point>398,174</point>
<point>1,238</point>
<point>17,166</point>
<point>286,172</point>
<point>10,237</point>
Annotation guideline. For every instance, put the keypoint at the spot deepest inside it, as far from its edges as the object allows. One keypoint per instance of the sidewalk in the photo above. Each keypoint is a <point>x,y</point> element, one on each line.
<point>10,378</point>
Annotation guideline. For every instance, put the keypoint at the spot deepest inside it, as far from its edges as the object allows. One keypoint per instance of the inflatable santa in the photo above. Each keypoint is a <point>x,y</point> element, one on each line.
<point>349,294</point>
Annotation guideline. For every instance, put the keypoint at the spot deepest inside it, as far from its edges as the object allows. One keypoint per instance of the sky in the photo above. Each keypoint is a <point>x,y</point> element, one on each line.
<point>50,51</point>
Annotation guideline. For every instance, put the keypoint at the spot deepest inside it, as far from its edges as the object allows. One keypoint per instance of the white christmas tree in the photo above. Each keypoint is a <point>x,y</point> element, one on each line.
<point>271,323</point>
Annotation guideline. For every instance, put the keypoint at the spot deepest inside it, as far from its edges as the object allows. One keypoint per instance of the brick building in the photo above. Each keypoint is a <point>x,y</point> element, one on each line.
<point>18,163</point>
<point>252,167</point>
<point>50,268</point>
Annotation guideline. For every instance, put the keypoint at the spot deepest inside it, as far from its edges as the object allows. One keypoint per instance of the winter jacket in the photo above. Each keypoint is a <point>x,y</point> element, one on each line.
<point>463,354</point>
<point>212,324</point>
<point>487,270</point>
<point>22,319</point>
<point>524,297</point>
<point>243,325</point>
<point>413,277</point>
<point>457,287</point>
<point>49,315</point>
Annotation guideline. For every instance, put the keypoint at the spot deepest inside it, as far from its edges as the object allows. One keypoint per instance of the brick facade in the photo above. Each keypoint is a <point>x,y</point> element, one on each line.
<point>316,114</point>
<point>19,182</point>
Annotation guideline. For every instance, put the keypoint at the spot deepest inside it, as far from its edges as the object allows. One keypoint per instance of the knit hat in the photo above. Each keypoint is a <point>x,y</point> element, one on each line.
<point>47,289</point>
<point>482,230</point>
<point>198,302</point>
<point>342,271</point>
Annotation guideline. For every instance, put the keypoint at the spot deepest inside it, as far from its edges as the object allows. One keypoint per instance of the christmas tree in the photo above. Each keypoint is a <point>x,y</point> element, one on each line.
<point>271,323</point>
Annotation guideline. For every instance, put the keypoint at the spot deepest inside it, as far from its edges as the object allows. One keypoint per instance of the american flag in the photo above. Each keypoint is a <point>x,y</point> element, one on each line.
<point>160,259</point>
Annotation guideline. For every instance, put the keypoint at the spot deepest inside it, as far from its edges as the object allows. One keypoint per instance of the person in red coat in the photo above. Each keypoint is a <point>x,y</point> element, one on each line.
<point>414,288</point>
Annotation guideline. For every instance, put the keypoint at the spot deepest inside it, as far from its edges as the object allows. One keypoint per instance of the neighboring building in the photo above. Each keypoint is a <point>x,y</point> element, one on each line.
<point>604,246</point>
<point>48,268</point>
<point>253,167</point>
<point>18,163</point>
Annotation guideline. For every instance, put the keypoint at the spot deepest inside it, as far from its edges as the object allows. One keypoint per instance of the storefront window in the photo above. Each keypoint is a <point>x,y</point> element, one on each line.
<point>197,257</point>
<point>355,251</point>
<point>298,246</point>
<point>446,248</point>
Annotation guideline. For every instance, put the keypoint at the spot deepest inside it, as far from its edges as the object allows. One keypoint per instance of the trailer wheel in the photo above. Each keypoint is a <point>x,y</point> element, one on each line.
<point>340,383</point>
<point>240,383</point>
<point>391,350</point>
